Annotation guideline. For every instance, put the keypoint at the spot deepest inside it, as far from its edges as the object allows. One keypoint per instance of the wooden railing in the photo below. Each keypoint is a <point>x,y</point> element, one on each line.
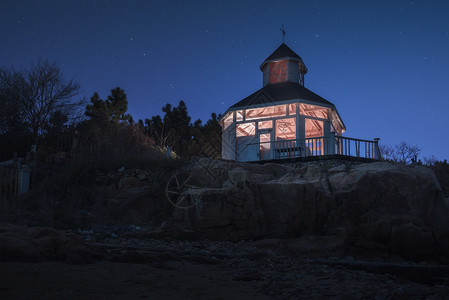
<point>356,147</point>
<point>318,146</point>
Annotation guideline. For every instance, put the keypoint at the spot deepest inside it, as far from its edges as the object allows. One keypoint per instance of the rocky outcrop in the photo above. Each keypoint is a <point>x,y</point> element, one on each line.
<point>389,207</point>
<point>34,244</point>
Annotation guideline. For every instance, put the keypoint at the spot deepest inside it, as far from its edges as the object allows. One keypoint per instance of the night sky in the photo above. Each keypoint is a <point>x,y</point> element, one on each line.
<point>384,64</point>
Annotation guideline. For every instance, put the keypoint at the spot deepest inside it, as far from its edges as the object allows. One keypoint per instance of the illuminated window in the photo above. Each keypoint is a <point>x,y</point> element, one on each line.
<point>336,123</point>
<point>246,129</point>
<point>265,124</point>
<point>314,128</point>
<point>286,129</point>
<point>239,115</point>
<point>266,112</point>
<point>292,109</point>
<point>228,120</point>
<point>313,111</point>
<point>264,146</point>
<point>278,71</point>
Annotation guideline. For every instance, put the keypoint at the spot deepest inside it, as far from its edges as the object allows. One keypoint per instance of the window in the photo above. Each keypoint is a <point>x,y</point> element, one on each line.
<point>264,146</point>
<point>266,112</point>
<point>292,109</point>
<point>239,115</point>
<point>314,128</point>
<point>313,111</point>
<point>278,71</point>
<point>265,124</point>
<point>228,120</point>
<point>336,123</point>
<point>246,129</point>
<point>286,129</point>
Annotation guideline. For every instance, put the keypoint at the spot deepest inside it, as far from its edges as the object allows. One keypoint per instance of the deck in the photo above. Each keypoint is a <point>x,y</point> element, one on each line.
<point>324,146</point>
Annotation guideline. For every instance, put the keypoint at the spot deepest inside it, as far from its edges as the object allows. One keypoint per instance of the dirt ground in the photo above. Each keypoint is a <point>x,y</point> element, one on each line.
<point>104,280</point>
<point>42,263</point>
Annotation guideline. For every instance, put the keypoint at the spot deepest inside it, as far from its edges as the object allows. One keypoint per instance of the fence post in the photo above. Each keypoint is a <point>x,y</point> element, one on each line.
<point>331,143</point>
<point>376,149</point>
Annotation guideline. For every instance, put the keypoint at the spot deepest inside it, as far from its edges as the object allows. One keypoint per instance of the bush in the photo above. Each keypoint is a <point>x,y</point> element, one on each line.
<point>441,169</point>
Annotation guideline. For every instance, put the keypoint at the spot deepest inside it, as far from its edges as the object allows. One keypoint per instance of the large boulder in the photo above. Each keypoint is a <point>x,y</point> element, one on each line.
<point>396,207</point>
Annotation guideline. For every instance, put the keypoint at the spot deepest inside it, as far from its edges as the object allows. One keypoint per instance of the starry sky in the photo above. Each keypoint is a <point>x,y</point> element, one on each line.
<point>384,64</point>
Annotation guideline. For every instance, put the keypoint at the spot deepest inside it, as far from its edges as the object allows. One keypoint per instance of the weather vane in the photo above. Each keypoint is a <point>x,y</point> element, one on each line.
<point>283,33</point>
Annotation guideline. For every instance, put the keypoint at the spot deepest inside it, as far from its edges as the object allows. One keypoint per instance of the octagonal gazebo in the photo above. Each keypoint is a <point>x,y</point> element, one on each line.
<point>285,120</point>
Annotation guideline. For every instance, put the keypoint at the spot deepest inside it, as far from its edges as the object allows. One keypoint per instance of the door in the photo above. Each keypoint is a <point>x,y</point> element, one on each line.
<point>265,146</point>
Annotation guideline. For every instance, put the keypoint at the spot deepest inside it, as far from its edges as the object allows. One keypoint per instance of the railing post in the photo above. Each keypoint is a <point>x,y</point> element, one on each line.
<point>376,149</point>
<point>331,143</point>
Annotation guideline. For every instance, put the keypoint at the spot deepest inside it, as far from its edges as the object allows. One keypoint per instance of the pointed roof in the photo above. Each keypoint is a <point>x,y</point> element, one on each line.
<point>281,93</point>
<point>283,51</point>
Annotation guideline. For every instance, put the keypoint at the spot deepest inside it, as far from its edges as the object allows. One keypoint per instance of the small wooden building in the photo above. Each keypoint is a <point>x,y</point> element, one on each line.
<point>284,119</point>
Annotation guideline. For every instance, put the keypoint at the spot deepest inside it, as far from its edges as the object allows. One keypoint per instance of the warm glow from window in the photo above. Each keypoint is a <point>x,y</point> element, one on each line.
<point>278,71</point>
<point>265,124</point>
<point>246,129</point>
<point>286,129</point>
<point>314,128</point>
<point>313,111</point>
<point>336,123</point>
<point>264,146</point>
<point>292,109</point>
<point>228,120</point>
<point>239,115</point>
<point>266,112</point>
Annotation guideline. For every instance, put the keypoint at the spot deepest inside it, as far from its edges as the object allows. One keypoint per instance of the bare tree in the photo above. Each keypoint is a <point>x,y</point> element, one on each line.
<point>406,153</point>
<point>430,160</point>
<point>386,152</point>
<point>401,153</point>
<point>10,113</point>
<point>40,91</point>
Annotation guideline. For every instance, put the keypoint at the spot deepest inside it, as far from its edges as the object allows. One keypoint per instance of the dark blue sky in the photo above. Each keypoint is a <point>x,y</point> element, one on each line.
<point>384,64</point>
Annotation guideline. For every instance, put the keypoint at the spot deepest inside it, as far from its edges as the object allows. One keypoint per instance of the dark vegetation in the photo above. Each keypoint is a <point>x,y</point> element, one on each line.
<point>40,107</point>
<point>72,142</point>
<point>404,153</point>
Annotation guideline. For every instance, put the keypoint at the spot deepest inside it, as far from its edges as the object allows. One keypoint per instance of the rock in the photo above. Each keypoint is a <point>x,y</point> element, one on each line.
<point>378,231</point>
<point>412,241</point>
<point>371,203</point>
<point>18,249</point>
<point>130,182</point>
<point>337,169</point>
<point>74,259</point>
<point>40,243</point>
<point>313,172</point>
<point>238,176</point>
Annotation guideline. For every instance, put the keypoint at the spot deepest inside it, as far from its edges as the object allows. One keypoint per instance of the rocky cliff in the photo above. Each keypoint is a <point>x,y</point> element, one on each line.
<point>374,206</point>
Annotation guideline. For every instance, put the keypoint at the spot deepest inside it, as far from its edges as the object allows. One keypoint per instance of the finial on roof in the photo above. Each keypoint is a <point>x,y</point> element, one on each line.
<point>283,33</point>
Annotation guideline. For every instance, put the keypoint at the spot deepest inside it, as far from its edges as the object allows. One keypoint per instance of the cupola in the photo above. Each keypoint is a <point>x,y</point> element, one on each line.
<point>283,65</point>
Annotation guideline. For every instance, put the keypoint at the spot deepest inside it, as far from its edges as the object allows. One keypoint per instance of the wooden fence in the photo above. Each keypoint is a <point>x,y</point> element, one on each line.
<point>9,181</point>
